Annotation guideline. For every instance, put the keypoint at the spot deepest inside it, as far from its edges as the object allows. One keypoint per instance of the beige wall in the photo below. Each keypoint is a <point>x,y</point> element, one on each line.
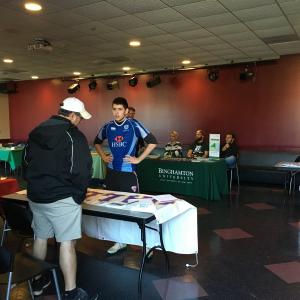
<point>4,117</point>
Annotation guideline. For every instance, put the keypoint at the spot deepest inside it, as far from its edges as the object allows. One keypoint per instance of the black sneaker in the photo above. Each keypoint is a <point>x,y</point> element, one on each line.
<point>82,295</point>
<point>38,285</point>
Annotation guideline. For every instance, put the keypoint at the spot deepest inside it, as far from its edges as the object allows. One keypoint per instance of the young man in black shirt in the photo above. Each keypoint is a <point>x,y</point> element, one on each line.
<point>229,150</point>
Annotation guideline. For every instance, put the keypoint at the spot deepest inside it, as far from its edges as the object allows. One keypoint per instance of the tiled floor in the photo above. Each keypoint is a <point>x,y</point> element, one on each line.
<point>264,264</point>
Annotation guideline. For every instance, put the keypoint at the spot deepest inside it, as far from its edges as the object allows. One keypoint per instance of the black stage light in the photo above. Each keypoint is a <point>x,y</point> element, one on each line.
<point>73,88</point>
<point>153,82</point>
<point>246,74</point>
<point>92,84</point>
<point>213,75</point>
<point>133,81</point>
<point>112,85</point>
<point>8,87</point>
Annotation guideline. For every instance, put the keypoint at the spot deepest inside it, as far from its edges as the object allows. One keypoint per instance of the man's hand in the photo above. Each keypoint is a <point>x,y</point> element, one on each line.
<point>226,146</point>
<point>108,158</point>
<point>131,159</point>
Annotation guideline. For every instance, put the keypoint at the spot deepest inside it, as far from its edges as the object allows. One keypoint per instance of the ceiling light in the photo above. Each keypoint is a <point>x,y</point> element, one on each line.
<point>33,6</point>
<point>34,77</point>
<point>186,62</point>
<point>73,88</point>
<point>134,43</point>
<point>153,82</point>
<point>77,73</point>
<point>8,60</point>
<point>126,68</point>
<point>133,81</point>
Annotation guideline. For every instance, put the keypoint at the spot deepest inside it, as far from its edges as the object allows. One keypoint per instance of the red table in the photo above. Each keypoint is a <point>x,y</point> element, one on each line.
<point>8,186</point>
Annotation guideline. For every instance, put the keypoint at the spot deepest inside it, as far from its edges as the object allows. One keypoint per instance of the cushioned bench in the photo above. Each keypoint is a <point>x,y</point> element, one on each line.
<point>257,166</point>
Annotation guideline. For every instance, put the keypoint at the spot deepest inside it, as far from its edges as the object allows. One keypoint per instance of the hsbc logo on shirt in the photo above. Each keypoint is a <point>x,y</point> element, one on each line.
<point>119,138</point>
<point>119,142</point>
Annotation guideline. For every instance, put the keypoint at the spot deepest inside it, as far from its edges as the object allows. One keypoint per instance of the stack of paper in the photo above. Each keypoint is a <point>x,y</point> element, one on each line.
<point>167,198</point>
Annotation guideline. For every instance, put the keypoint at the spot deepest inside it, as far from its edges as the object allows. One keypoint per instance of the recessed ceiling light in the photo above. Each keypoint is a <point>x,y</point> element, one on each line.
<point>126,68</point>
<point>8,60</point>
<point>135,43</point>
<point>186,62</point>
<point>76,73</point>
<point>32,6</point>
<point>34,77</point>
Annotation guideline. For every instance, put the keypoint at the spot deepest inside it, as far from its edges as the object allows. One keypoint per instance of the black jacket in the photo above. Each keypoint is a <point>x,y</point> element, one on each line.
<point>57,162</point>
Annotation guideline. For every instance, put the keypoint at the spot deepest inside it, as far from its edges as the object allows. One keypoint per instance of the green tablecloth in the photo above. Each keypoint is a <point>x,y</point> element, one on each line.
<point>99,167</point>
<point>13,157</point>
<point>207,179</point>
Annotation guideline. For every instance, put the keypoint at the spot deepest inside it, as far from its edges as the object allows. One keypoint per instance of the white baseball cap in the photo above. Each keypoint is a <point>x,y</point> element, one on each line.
<point>75,105</point>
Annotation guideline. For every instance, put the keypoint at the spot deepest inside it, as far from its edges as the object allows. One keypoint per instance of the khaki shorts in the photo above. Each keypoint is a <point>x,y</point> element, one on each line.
<point>60,219</point>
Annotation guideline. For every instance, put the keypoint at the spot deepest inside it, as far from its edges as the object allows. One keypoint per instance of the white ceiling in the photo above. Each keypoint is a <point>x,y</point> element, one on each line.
<point>92,36</point>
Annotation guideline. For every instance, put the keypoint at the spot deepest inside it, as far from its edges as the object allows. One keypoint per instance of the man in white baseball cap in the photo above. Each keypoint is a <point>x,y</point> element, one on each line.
<point>58,167</point>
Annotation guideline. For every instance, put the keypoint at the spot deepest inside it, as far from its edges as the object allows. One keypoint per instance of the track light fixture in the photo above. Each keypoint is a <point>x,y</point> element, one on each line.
<point>213,74</point>
<point>153,82</point>
<point>74,87</point>
<point>246,74</point>
<point>112,85</point>
<point>133,81</point>
<point>92,84</point>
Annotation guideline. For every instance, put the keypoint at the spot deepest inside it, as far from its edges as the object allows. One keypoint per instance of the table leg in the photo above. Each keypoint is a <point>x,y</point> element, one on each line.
<point>163,247</point>
<point>143,238</point>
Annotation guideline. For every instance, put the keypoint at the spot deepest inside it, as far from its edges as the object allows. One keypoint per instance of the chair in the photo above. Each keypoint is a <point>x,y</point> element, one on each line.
<point>230,170</point>
<point>21,267</point>
<point>18,219</point>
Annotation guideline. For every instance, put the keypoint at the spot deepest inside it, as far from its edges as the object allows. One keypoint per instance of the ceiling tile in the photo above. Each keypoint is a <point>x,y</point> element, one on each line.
<point>294,19</point>
<point>291,7</point>
<point>216,20</point>
<point>262,12</point>
<point>268,23</point>
<point>193,34</point>
<point>70,4</point>
<point>235,5</point>
<point>281,31</point>
<point>207,40</point>
<point>287,48</point>
<point>201,9</point>
<point>177,45</point>
<point>163,38</point>
<point>178,2</point>
<point>125,22</point>
<point>228,29</point>
<point>99,11</point>
<point>160,16</point>
<point>178,26</point>
<point>145,31</point>
<point>93,27</point>
<point>65,18</point>
<point>134,6</point>
<point>233,37</point>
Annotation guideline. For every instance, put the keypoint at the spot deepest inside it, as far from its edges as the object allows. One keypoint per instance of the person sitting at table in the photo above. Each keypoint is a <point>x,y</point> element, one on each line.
<point>229,150</point>
<point>199,148</point>
<point>173,148</point>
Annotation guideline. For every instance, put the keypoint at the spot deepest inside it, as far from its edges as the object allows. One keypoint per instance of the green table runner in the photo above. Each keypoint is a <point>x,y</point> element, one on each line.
<point>12,156</point>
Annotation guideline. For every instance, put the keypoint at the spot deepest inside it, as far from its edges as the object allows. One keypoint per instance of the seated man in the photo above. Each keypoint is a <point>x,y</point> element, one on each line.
<point>173,148</point>
<point>229,150</point>
<point>199,148</point>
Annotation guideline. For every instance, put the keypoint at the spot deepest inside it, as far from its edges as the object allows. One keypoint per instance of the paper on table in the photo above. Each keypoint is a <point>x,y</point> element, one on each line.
<point>22,192</point>
<point>165,198</point>
<point>3,178</point>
